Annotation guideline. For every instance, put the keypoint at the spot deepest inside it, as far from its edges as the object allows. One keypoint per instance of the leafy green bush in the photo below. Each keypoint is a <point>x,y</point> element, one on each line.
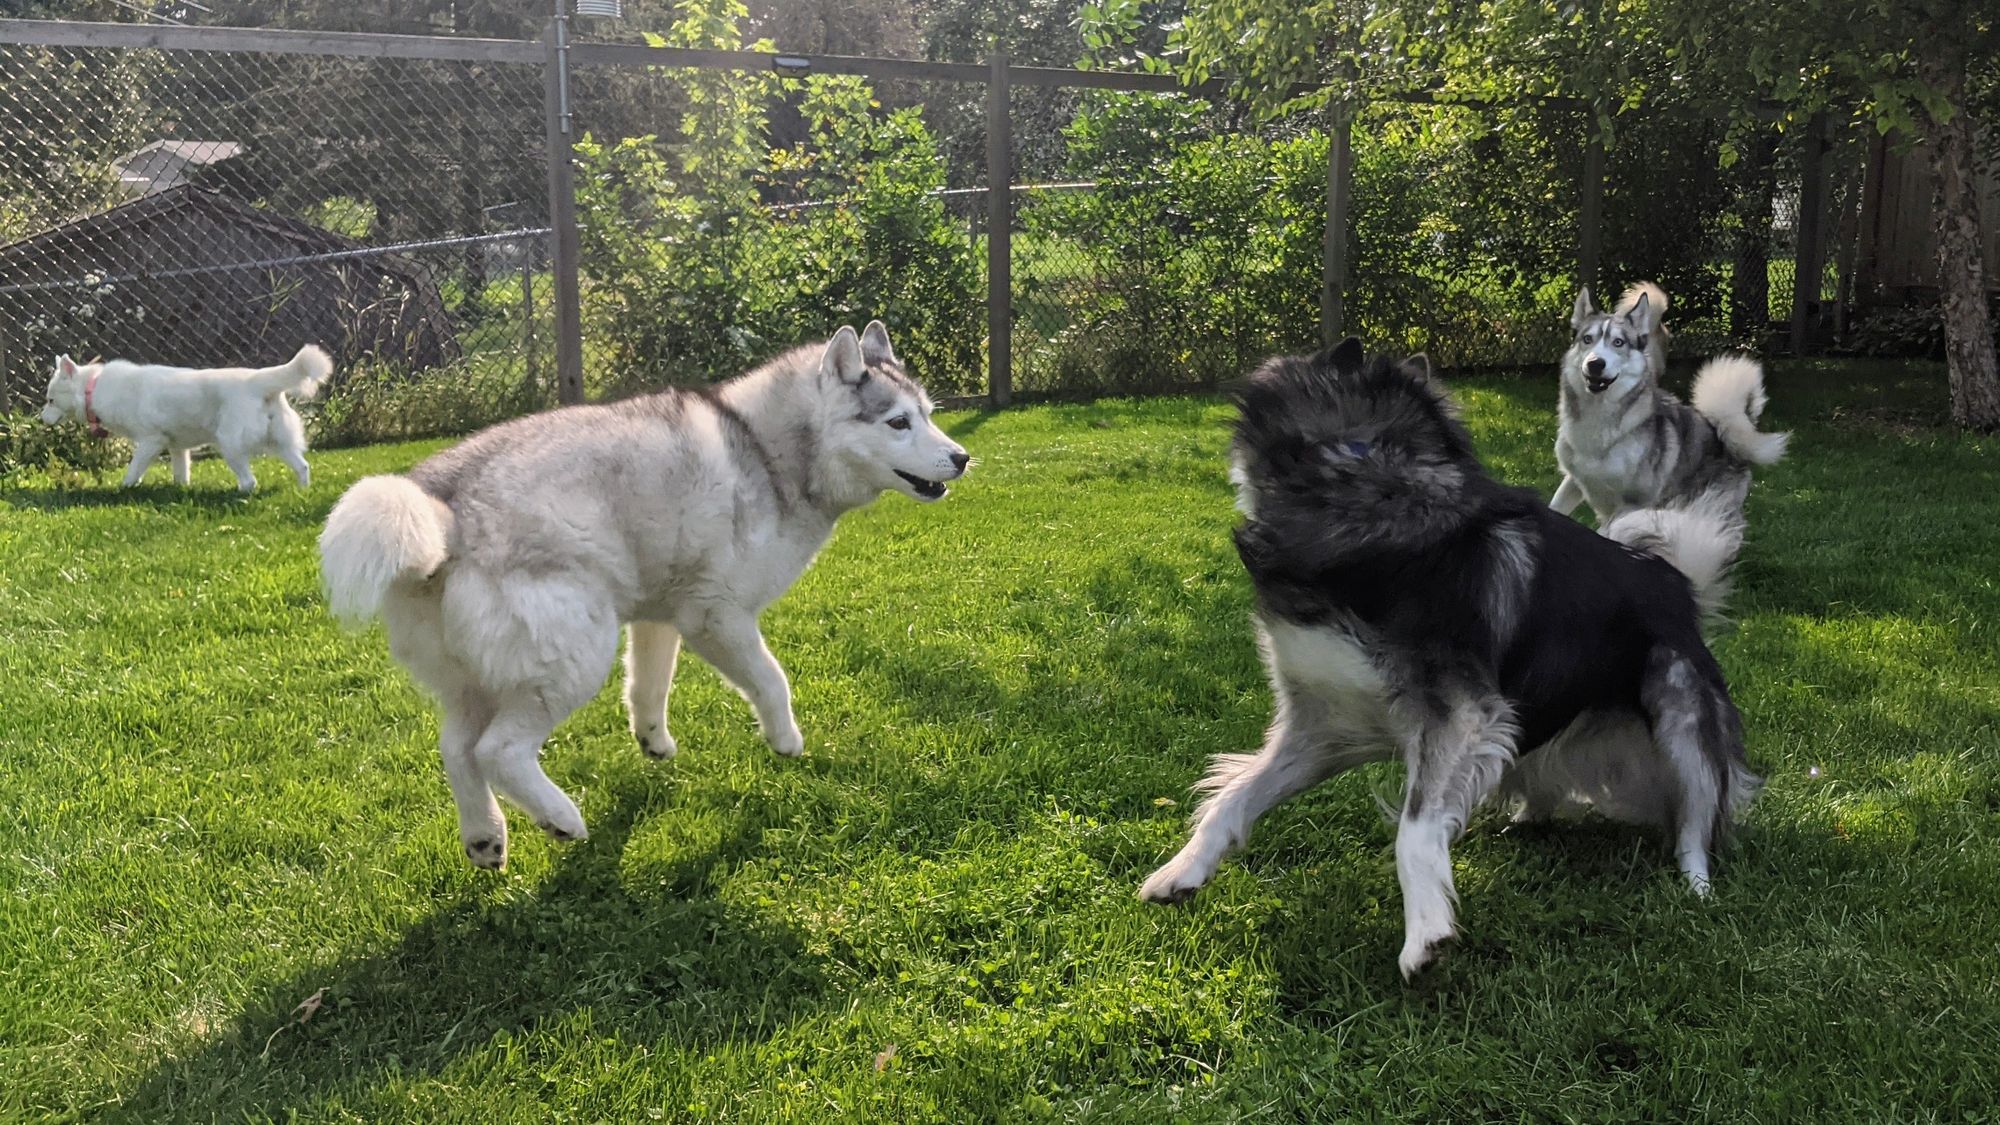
<point>383,402</point>
<point>1197,253</point>
<point>26,442</point>
<point>714,252</point>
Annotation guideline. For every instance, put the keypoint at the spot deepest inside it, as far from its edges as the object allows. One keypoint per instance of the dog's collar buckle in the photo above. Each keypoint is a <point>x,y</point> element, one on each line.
<point>89,415</point>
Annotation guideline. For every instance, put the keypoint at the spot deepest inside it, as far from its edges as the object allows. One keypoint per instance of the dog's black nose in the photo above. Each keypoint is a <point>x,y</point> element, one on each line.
<point>1594,365</point>
<point>959,461</point>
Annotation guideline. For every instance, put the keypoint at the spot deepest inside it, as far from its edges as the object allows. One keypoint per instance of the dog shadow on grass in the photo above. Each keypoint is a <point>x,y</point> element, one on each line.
<point>668,968</point>
<point>219,499</point>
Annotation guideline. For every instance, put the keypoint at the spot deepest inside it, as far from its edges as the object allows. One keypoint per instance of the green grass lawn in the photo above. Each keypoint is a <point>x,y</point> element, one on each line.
<point>216,807</point>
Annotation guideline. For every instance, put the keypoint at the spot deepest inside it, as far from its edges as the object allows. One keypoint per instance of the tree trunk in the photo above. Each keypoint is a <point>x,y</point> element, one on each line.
<point>1968,331</point>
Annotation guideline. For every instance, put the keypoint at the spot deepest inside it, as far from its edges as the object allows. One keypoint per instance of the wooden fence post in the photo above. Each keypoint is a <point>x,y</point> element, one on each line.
<point>999,240</point>
<point>1807,265</point>
<point>1339,191</point>
<point>562,213</point>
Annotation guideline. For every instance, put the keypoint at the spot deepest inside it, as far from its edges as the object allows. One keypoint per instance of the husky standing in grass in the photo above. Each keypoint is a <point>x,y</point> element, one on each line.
<point>241,410</point>
<point>504,567</point>
<point>1409,606</point>
<point>1625,443</point>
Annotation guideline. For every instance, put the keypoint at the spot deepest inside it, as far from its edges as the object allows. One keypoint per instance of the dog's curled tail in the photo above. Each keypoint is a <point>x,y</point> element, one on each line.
<point>1700,539</point>
<point>384,530</point>
<point>300,375</point>
<point>1729,392</point>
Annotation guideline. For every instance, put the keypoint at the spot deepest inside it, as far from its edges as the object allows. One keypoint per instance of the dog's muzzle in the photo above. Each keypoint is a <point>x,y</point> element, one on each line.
<point>1593,376</point>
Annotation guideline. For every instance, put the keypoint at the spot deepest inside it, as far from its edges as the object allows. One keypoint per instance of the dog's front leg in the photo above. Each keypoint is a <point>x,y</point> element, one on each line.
<point>145,451</point>
<point>1461,747</point>
<point>1242,788</point>
<point>733,646</point>
<point>1568,495</point>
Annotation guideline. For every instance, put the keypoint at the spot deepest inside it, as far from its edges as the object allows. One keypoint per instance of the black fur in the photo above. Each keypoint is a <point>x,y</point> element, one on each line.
<point>1371,509</point>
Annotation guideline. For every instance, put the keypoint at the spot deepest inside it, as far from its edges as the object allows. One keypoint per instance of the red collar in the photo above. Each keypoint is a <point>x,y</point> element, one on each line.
<point>90,416</point>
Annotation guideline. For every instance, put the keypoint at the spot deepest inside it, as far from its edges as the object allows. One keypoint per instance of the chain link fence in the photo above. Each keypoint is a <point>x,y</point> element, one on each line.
<point>208,209</point>
<point>224,206</point>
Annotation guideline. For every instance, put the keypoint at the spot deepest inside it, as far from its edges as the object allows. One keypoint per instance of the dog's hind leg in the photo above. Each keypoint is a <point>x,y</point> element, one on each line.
<point>732,644</point>
<point>296,459</point>
<point>239,463</point>
<point>1698,732</point>
<point>651,650</point>
<point>1461,748</point>
<point>181,458</point>
<point>144,451</point>
<point>508,756</point>
<point>482,829</point>
<point>1303,748</point>
<point>288,440</point>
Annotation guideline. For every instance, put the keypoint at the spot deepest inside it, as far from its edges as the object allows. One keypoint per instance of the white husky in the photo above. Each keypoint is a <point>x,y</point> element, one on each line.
<point>504,567</point>
<point>242,411</point>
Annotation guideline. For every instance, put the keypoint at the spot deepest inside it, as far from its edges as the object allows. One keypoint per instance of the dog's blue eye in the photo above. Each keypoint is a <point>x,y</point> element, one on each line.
<point>1618,342</point>
<point>899,422</point>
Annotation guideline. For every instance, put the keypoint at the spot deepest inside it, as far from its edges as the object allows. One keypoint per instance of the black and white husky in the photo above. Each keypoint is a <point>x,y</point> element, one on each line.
<point>1411,607</point>
<point>504,567</point>
<point>1624,442</point>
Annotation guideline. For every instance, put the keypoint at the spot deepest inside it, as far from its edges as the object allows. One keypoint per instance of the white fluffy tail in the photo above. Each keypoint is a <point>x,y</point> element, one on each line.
<point>384,530</point>
<point>1700,539</point>
<point>1729,392</point>
<point>301,375</point>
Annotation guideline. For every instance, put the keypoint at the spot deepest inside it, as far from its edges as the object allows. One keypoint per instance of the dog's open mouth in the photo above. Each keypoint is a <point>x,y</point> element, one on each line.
<point>1597,383</point>
<point>925,489</point>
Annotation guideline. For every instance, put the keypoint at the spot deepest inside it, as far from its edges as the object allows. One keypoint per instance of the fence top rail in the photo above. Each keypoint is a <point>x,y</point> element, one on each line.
<point>357,44</point>
<point>362,44</point>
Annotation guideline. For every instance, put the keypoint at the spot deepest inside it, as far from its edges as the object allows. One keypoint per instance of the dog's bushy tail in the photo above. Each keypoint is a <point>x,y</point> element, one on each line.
<point>1700,539</point>
<point>1729,392</point>
<point>300,375</point>
<point>384,530</point>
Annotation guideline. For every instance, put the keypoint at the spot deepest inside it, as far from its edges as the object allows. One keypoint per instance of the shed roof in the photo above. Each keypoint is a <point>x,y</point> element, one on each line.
<point>188,199</point>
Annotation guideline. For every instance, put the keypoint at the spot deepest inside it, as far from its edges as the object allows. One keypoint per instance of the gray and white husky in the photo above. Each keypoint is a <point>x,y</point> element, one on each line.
<point>1410,606</point>
<point>504,567</point>
<point>1624,442</point>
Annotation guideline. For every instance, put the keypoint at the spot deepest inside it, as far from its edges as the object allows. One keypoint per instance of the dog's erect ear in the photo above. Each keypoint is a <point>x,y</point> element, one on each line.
<point>1582,311</point>
<point>1347,356</point>
<point>1417,367</point>
<point>875,344</point>
<point>843,360</point>
<point>1641,313</point>
<point>65,365</point>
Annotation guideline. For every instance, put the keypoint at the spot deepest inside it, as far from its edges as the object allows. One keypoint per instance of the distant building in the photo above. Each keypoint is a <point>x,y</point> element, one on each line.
<point>163,165</point>
<point>190,277</point>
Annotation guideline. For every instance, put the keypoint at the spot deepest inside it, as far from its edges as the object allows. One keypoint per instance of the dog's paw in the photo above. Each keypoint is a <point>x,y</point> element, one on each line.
<point>788,743</point>
<point>565,830</point>
<point>1176,882</point>
<point>1420,949</point>
<point>656,744</point>
<point>486,852</point>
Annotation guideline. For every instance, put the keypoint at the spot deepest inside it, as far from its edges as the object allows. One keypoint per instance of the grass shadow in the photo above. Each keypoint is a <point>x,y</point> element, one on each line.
<point>663,971</point>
